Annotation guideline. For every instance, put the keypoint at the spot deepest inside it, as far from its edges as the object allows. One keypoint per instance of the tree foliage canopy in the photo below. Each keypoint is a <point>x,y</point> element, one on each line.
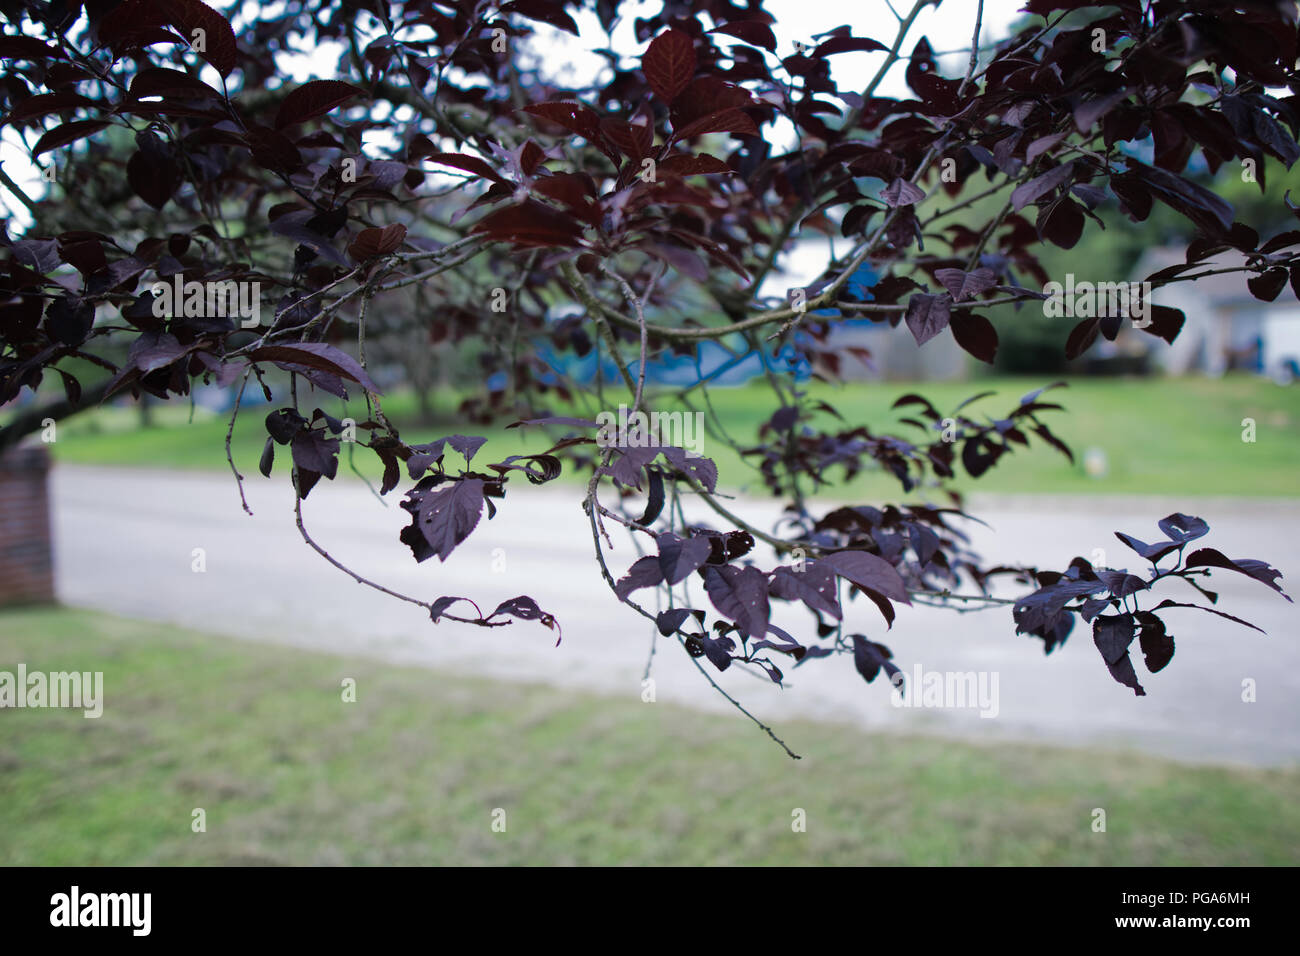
<point>638,216</point>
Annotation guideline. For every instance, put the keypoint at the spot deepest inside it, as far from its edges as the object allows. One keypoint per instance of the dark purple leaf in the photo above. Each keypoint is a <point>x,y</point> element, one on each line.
<point>741,595</point>
<point>317,355</point>
<point>1259,570</point>
<point>869,657</point>
<point>966,285</point>
<point>699,468</point>
<point>218,39</point>
<point>754,32</point>
<point>1268,285</point>
<point>644,573</point>
<point>975,334</point>
<point>900,192</point>
<point>1157,646</point>
<point>846,44</point>
<point>1039,186</point>
<point>1210,610</point>
<point>526,609</point>
<point>372,243</point>
<point>671,621</point>
<point>928,315</point>
<point>1183,528</point>
<point>312,99</point>
<point>869,572</point>
<point>669,63</point>
<point>1152,552</point>
<point>1113,634</point>
<point>442,516</point>
<point>531,223</point>
<point>678,557</point>
<point>66,134</point>
<point>1081,338</point>
<point>815,586</point>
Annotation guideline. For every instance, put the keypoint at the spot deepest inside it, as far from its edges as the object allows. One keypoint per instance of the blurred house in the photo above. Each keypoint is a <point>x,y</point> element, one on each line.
<point>1227,327</point>
<point>895,356</point>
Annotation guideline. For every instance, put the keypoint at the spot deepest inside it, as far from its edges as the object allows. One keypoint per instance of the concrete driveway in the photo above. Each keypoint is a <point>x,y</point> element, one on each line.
<point>125,541</point>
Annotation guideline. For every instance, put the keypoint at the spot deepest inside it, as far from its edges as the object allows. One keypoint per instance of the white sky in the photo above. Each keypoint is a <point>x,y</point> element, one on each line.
<point>948,28</point>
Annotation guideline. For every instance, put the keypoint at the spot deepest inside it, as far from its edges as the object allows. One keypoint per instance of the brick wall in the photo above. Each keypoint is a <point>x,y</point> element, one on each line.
<point>26,551</point>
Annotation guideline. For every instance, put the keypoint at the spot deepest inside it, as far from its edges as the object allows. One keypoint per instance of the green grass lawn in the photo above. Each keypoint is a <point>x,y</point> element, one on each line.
<point>1160,436</point>
<point>259,737</point>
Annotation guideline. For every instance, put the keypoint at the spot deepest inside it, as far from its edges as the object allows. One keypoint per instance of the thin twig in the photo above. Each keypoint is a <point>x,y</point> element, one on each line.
<point>640,317</point>
<point>230,431</point>
<point>974,50</point>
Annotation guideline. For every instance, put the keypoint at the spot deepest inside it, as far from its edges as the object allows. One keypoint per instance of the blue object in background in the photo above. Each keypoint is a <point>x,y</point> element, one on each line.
<point>712,362</point>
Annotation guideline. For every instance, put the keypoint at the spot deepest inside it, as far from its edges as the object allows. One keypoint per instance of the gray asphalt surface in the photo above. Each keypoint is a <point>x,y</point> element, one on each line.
<point>125,541</point>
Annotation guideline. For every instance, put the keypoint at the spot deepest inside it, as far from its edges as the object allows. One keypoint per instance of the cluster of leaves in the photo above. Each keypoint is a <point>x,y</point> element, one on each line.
<point>742,595</point>
<point>795,450</point>
<point>651,207</point>
<point>1048,613</point>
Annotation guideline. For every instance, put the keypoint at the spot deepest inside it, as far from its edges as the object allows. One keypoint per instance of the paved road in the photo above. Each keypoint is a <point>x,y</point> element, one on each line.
<point>125,541</point>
